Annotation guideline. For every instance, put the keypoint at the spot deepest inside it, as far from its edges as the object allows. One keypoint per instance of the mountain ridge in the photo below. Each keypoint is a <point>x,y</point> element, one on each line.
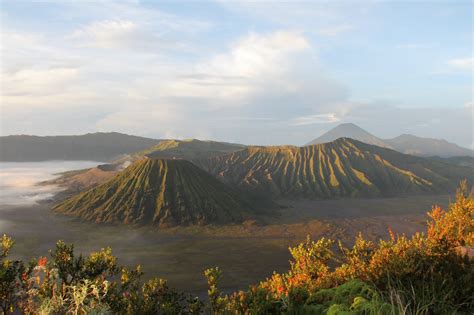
<point>342,168</point>
<point>189,149</point>
<point>404,143</point>
<point>99,146</point>
<point>158,192</point>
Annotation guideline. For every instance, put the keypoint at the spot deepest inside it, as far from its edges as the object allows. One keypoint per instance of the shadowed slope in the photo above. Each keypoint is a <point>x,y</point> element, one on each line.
<point>100,146</point>
<point>414,145</point>
<point>456,160</point>
<point>342,168</point>
<point>158,192</point>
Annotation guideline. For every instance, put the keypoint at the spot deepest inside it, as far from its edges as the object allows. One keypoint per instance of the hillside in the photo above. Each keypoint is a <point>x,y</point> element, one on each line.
<point>80,180</point>
<point>342,168</point>
<point>349,130</point>
<point>159,192</point>
<point>457,160</point>
<point>408,144</point>
<point>189,149</point>
<point>93,146</point>
<point>169,149</point>
<point>414,145</point>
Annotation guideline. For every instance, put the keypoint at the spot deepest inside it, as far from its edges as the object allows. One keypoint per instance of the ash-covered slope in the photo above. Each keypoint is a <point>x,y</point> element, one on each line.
<point>342,168</point>
<point>161,192</point>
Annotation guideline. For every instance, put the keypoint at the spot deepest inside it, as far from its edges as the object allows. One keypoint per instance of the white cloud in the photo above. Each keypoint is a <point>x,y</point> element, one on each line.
<point>71,88</point>
<point>462,63</point>
<point>252,61</point>
<point>108,33</point>
<point>256,54</point>
<point>35,82</point>
<point>315,119</point>
<point>123,69</point>
<point>128,35</point>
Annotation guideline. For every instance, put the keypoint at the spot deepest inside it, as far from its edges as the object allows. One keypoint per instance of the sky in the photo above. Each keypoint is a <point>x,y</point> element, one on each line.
<point>263,72</point>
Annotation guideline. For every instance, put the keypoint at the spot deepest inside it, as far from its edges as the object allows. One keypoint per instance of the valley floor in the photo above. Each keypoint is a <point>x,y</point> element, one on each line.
<point>247,253</point>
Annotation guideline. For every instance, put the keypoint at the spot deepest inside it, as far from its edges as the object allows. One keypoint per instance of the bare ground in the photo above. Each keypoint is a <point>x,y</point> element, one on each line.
<point>246,252</point>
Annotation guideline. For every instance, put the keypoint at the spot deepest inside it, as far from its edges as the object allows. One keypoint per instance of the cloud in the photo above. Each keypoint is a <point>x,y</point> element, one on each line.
<point>126,34</point>
<point>19,181</point>
<point>256,54</point>
<point>108,33</point>
<point>387,121</point>
<point>37,82</point>
<point>252,63</point>
<point>462,63</point>
<point>129,67</point>
<point>315,119</point>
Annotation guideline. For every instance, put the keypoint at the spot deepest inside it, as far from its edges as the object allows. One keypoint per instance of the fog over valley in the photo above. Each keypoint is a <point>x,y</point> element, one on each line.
<point>19,182</point>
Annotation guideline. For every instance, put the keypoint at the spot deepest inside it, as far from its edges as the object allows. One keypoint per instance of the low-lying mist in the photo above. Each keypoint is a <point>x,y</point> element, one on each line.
<point>19,181</point>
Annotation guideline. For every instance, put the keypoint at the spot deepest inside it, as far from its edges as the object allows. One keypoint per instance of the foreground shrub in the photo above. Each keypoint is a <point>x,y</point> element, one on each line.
<point>423,274</point>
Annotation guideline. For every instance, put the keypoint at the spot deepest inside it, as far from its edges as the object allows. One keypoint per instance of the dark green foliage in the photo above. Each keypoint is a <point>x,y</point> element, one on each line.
<point>10,276</point>
<point>352,297</point>
<point>94,284</point>
<point>467,161</point>
<point>158,192</point>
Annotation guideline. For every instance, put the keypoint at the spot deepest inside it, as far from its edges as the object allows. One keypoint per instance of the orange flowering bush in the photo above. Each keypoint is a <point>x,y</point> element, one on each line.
<point>456,226</point>
<point>420,263</point>
<point>423,274</point>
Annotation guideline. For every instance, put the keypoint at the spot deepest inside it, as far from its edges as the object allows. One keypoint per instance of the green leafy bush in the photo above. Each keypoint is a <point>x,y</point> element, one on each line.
<point>423,274</point>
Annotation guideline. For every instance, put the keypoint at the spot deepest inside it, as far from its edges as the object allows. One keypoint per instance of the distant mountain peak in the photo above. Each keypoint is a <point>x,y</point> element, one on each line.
<point>349,130</point>
<point>351,125</point>
<point>404,143</point>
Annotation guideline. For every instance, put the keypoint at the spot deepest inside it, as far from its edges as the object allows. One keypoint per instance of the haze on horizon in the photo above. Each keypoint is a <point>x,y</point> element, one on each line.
<point>245,72</point>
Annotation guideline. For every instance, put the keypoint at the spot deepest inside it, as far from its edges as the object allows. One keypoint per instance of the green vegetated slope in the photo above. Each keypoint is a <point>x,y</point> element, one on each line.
<point>342,168</point>
<point>162,192</point>
<point>456,160</point>
<point>190,149</point>
<point>179,149</point>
